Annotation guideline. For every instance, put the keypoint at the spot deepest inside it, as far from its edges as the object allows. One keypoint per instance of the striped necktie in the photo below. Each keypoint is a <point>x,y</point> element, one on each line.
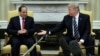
<point>75,29</point>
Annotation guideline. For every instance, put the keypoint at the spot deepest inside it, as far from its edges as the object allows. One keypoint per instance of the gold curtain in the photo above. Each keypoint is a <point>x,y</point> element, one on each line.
<point>94,5</point>
<point>5,5</point>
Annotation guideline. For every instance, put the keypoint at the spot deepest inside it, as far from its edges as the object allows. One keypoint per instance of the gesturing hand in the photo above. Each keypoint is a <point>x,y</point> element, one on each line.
<point>43,32</point>
<point>23,31</point>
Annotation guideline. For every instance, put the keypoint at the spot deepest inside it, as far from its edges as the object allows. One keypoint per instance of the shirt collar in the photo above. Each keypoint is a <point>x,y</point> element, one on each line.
<point>77,15</point>
<point>20,17</point>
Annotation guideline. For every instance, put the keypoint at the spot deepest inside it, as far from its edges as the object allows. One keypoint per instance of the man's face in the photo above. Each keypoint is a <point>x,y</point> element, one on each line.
<point>23,12</point>
<point>72,11</point>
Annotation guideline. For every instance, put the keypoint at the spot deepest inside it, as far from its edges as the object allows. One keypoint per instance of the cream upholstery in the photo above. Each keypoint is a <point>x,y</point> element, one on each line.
<point>91,21</point>
<point>7,48</point>
<point>92,33</point>
<point>15,13</point>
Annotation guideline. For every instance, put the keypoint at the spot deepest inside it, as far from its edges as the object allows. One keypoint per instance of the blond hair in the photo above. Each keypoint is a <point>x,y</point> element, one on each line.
<point>74,5</point>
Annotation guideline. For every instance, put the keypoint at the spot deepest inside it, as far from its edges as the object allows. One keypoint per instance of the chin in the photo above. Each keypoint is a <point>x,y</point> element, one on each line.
<point>70,14</point>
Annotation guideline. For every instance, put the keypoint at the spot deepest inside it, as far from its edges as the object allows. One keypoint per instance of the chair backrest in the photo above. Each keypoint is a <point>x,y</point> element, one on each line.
<point>15,13</point>
<point>91,17</point>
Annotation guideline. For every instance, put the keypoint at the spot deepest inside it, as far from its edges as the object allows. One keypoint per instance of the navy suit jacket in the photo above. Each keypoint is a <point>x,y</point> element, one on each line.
<point>14,26</point>
<point>83,26</point>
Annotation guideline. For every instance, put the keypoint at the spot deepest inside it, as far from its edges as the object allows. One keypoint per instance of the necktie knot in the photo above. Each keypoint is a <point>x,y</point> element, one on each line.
<point>23,19</point>
<point>74,18</point>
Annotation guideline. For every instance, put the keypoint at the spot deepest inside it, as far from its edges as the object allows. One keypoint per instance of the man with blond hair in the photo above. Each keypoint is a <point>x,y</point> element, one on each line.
<point>78,28</point>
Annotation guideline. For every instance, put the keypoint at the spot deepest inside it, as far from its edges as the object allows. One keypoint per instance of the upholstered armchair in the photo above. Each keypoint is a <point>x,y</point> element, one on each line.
<point>92,34</point>
<point>6,49</point>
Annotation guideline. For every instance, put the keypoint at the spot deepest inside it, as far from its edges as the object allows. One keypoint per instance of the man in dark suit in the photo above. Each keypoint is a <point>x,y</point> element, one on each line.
<point>22,29</point>
<point>78,28</point>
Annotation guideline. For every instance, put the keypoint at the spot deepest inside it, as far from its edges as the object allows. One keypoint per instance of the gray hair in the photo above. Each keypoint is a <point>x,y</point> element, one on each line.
<point>74,5</point>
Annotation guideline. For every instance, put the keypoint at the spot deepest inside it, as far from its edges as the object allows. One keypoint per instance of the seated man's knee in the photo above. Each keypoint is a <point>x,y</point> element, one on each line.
<point>15,43</point>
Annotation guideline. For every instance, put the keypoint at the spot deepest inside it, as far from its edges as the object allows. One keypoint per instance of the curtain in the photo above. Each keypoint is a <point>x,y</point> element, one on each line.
<point>94,6</point>
<point>5,5</point>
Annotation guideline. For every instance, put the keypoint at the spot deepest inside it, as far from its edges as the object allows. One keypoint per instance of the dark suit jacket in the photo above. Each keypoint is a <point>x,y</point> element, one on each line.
<point>83,26</point>
<point>14,26</point>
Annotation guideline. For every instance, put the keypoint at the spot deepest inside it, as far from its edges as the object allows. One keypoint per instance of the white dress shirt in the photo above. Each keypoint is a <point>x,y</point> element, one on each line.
<point>77,19</point>
<point>20,18</point>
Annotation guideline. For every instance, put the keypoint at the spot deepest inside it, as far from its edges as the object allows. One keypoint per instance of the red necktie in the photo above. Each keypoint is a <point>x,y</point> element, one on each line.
<point>23,23</point>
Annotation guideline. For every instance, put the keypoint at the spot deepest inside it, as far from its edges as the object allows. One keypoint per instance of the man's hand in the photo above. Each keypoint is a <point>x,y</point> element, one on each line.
<point>80,43</point>
<point>43,32</point>
<point>23,31</point>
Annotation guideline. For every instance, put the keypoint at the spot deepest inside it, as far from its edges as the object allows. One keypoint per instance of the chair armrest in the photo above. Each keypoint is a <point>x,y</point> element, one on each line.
<point>60,51</point>
<point>64,33</point>
<point>6,38</point>
<point>93,33</point>
<point>98,43</point>
<point>38,50</point>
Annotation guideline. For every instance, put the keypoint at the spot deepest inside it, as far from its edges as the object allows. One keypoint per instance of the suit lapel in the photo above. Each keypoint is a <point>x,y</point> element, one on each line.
<point>70,21</point>
<point>26,20</point>
<point>17,22</point>
<point>19,26</point>
<point>79,21</point>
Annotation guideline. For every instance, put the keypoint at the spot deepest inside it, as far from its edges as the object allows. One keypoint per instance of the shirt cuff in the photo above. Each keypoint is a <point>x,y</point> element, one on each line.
<point>82,40</point>
<point>49,32</point>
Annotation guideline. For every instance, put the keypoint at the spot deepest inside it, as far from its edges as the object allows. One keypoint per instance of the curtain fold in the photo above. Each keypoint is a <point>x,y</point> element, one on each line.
<point>5,5</point>
<point>94,6</point>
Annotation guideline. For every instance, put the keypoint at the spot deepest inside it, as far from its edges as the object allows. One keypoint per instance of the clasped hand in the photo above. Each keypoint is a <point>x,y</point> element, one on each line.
<point>22,31</point>
<point>43,32</point>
